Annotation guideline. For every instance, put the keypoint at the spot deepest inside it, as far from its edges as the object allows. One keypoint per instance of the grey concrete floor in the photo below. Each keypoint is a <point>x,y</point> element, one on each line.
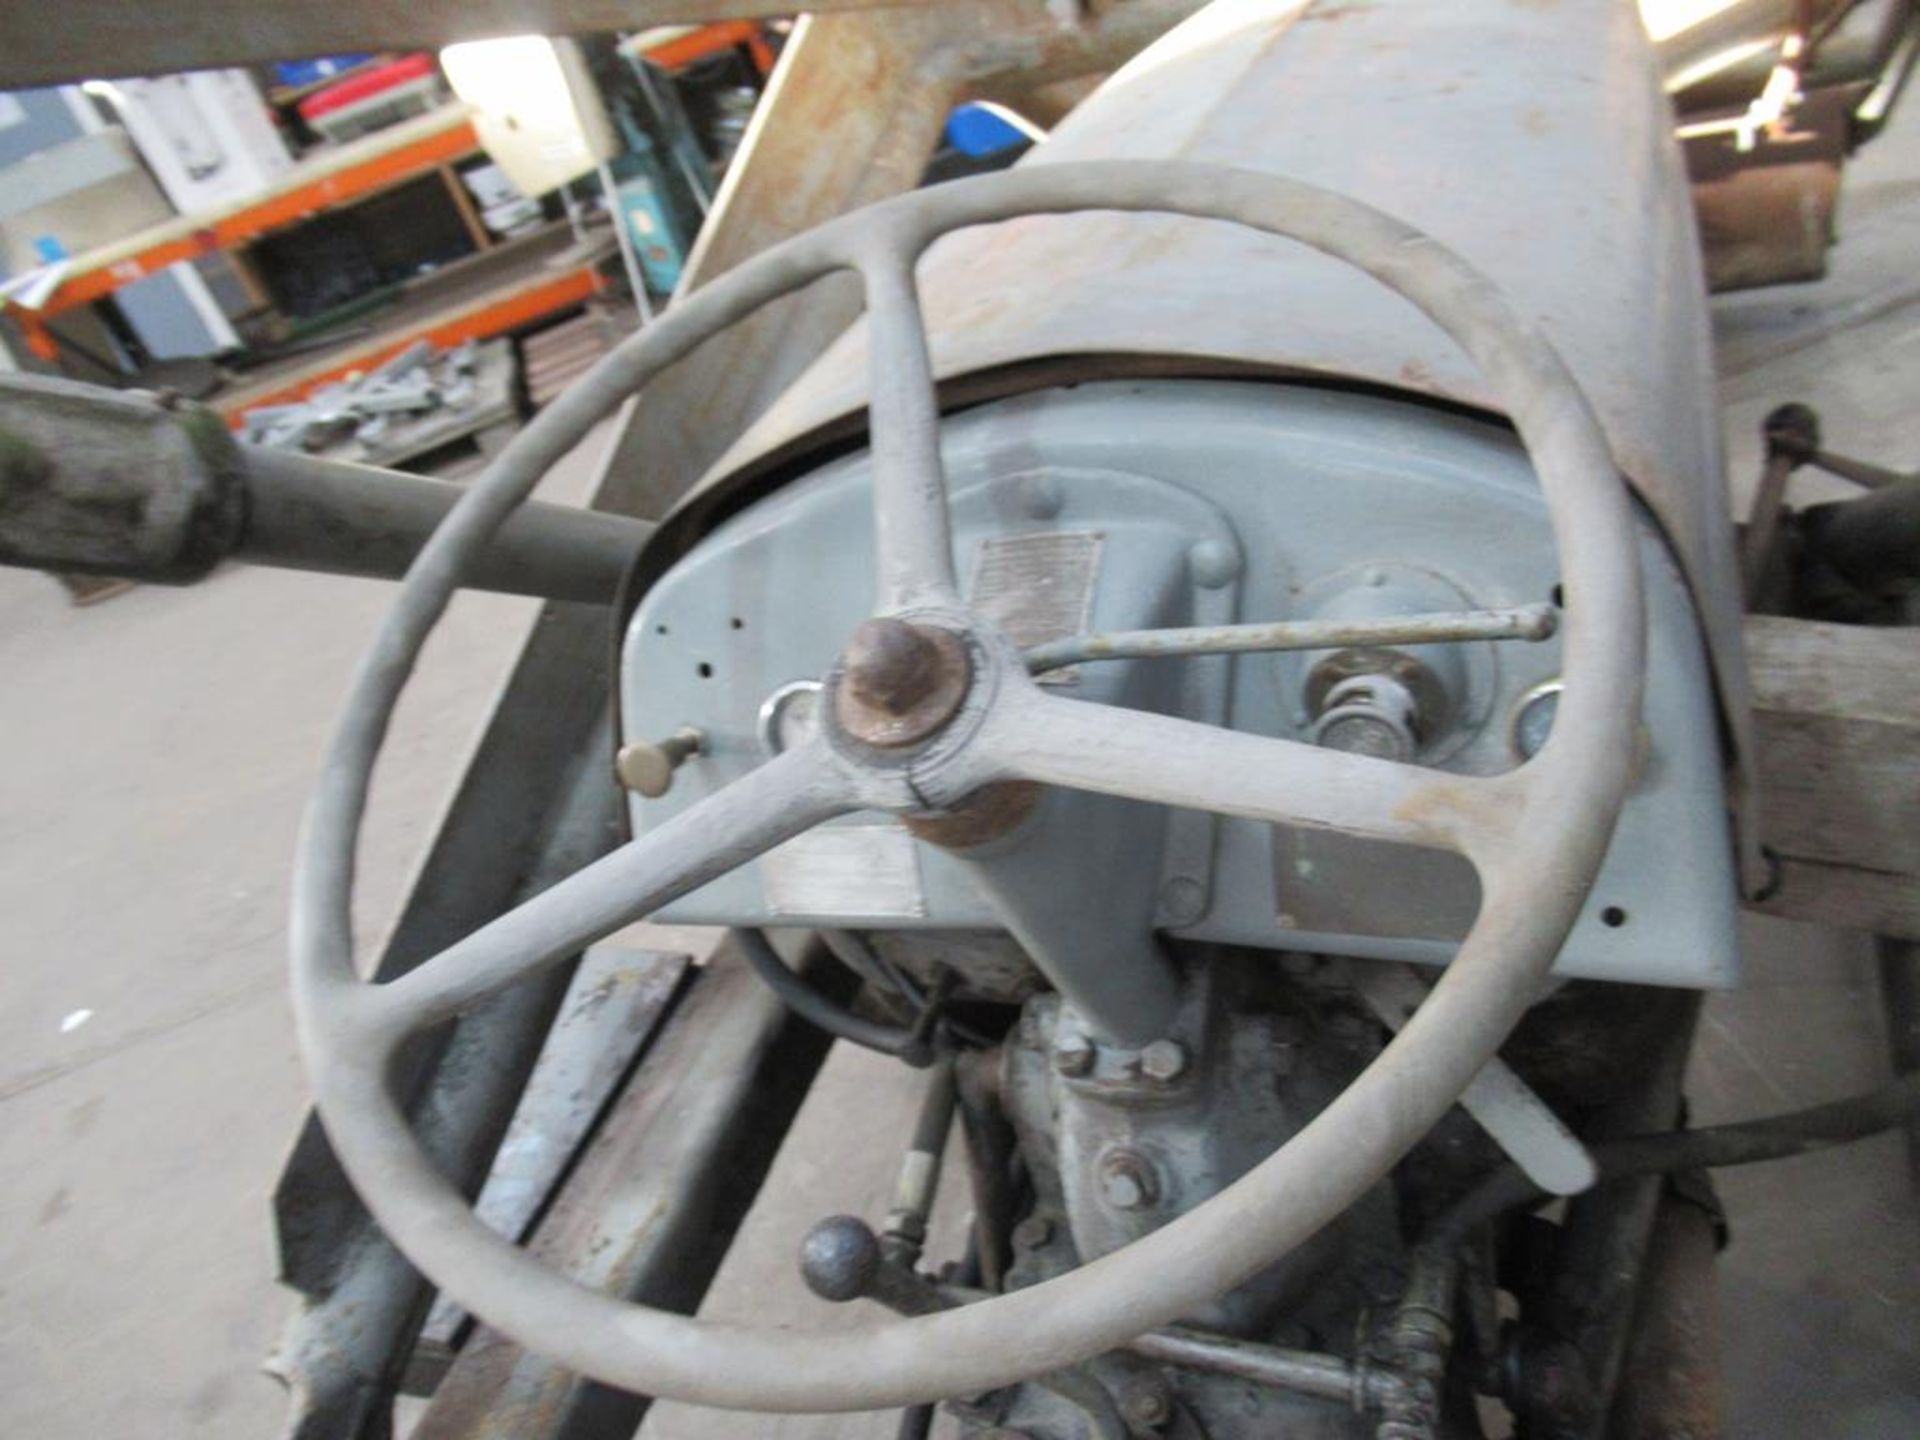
<point>154,755</point>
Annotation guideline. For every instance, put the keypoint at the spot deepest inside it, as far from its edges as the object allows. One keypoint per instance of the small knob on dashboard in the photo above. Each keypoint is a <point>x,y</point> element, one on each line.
<point>646,766</point>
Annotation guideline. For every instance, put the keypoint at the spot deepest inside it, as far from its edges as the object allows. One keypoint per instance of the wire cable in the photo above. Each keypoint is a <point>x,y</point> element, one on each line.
<point>1747,1143</point>
<point>909,1043</point>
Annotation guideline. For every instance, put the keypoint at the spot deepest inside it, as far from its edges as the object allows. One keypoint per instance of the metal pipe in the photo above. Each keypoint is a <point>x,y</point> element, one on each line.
<point>1520,622</point>
<point>148,487</point>
<point>1867,476</point>
<point>842,1259</point>
<point>913,1194</point>
<point>304,513</point>
<point>1305,1372</point>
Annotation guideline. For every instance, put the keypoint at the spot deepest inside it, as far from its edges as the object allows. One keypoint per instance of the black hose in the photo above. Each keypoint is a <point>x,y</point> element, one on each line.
<point>906,1043</point>
<point>1745,1143</point>
<point>859,955</point>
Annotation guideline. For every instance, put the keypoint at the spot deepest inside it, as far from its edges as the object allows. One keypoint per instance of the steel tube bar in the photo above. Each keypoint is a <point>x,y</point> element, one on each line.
<point>304,513</point>
<point>915,539</point>
<point>1326,1376</point>
<point>1523,622</point>
<point>1173,761</point>
<point>791,793</point>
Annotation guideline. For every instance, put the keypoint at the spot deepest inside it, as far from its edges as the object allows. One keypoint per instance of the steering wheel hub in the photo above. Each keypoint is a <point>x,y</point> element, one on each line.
<point>900,682</point>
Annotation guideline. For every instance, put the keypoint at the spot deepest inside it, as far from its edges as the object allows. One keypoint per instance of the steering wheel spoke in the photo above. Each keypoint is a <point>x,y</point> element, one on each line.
<point>788,795</point>
<point>913,532</point>
<point>1174,761</point>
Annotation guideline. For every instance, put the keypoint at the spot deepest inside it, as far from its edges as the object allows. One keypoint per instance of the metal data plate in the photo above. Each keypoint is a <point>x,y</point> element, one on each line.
<point>1310,494</point>
<point>868,870</point>
<point>1038,587</point>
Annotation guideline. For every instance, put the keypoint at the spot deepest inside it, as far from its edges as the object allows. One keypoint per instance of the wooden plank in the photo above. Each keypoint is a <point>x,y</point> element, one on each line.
<point>1837,744</point>
<point>650,1208</point>
<point>1850,899</point>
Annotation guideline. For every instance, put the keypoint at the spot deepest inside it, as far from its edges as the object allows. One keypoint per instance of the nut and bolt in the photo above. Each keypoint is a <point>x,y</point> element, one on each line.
<point>1164,1061</point>
<point>1145,1402</point>
<point>1183,900</point>
<point>1073,1055</point>
<point>900,682</point>
<point>1128,1180</point>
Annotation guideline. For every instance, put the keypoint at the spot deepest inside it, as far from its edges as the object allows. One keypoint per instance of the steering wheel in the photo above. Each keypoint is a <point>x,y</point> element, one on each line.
<point>928,704</point>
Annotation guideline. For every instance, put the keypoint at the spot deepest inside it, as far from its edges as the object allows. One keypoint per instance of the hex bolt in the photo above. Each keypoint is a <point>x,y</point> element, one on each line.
<point>1073,1055</point>
<point>1164,1061</point>
<point>1145,1402</point>
<point>892,665</point>
<point>1128,1180</point>
<point>1183,900</point>
<point>900,682</point>
<point>646,767</point>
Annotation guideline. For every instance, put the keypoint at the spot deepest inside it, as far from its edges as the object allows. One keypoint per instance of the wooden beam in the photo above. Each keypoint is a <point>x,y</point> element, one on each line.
<point>1837,726</point>
<point>852,114</point>
<point>652,1204</point>
<point>95,39</point>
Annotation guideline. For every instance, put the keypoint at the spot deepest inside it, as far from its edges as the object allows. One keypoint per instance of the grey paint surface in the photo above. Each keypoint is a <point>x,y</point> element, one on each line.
<point>1313,493</point>
<point>191,719</point>
<point>1531,139</point>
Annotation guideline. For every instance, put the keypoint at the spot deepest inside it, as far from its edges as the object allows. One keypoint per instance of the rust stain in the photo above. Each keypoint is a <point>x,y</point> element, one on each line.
<point>1445,811</point>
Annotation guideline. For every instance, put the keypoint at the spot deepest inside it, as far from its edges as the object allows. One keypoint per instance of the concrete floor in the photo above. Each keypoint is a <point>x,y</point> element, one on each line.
<point>154,755</point>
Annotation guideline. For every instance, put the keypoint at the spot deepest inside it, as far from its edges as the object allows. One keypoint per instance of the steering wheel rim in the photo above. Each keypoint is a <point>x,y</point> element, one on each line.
<point>1564,802</point>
